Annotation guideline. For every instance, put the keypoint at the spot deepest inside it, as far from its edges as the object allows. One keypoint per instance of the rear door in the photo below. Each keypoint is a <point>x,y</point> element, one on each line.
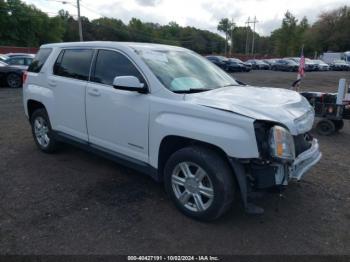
<point>68,82</point>
<point>117,119</point>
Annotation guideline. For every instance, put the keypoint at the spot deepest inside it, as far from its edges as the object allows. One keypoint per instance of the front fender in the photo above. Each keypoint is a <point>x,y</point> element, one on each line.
<point>232,133</point>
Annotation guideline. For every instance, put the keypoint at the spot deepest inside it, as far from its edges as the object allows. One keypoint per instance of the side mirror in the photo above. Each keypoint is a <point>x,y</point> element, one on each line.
<point>129,83</point>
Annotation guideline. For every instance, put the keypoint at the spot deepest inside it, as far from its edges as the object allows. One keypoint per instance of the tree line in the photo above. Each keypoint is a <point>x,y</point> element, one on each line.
<point>26,25</point>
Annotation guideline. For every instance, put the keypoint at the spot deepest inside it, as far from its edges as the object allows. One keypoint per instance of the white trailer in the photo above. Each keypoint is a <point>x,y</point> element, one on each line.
<point>330,57</point>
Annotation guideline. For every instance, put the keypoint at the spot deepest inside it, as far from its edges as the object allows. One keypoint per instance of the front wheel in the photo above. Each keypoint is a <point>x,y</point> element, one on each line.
<point>199,182</point>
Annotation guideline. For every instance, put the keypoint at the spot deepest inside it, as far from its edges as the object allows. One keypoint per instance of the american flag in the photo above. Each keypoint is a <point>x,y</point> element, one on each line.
<point>301,71</point>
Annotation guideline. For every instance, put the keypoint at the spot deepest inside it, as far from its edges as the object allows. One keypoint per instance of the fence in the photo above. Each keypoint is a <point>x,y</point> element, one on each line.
<point>15,49</point>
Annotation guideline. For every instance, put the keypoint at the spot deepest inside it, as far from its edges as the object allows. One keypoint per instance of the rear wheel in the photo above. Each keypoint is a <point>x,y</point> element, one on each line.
<point>325,127</point>
<point>14,80</point>
<point>199,182</point>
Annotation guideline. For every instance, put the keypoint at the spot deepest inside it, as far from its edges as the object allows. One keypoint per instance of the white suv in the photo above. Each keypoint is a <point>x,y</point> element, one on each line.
<point>170,113</point>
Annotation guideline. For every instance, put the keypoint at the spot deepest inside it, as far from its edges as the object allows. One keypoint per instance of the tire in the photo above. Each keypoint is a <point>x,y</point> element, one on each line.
<point>339,124</point>
<point>325,127</point>
<point>14,80</point>
<point>214,174</point>
<point>42,131</point>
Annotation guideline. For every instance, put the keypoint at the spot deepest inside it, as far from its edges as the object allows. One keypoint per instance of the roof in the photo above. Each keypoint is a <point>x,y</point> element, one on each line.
<point>111,44</point>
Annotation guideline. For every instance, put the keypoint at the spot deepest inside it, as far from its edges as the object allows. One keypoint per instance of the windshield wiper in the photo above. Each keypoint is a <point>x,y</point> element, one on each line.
<point>191,90</point>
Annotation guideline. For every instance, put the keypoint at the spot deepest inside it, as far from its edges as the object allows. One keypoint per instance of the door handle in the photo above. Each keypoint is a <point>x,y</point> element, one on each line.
<point>94,92</point>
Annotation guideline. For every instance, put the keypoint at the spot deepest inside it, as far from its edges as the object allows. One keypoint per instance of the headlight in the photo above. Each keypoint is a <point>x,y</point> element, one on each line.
<point>281,143</point>
<point>304,123</point>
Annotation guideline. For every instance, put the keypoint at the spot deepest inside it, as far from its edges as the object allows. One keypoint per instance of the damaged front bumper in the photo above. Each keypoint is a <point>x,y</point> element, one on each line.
<point>262,176</point>
<point>305,161</point>
<point>299,166</point>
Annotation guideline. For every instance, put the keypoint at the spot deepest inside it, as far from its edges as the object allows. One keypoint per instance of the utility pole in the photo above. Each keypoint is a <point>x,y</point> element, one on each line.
<point>246,40</point>
<point>232,26</point>
<point>79,22</point>
<point>253,43</point>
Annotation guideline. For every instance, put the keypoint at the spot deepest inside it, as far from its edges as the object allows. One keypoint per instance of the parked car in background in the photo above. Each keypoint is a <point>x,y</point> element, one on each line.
<point>19,54</point>
<point>220,61</point>
<point>3,58</point>
<point>322,66</point>
<point>19,60</point>
<point>258,64</point>
<point>247,66</point>
<point>288,65</point>
<point>309,64</point>
<point>339,65</point>
<point>270,61</point>
<point>171,114</point>
<point>234,66</point>
<point>11,76</point>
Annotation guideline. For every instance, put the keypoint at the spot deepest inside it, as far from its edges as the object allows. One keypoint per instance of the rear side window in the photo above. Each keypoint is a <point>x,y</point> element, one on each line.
<point>39,60</point>
<point>74,63</point>
<point>110,64</point>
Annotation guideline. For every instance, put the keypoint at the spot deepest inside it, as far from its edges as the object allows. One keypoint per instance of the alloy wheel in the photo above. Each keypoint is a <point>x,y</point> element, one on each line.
<point>41,131</point>
<point>192,186</point>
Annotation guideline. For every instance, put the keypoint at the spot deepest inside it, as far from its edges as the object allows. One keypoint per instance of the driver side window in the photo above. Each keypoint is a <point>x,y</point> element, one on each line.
<point>110,64</point>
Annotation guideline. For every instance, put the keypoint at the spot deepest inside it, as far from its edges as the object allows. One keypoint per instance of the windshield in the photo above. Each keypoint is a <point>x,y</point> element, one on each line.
<point>185,71</point>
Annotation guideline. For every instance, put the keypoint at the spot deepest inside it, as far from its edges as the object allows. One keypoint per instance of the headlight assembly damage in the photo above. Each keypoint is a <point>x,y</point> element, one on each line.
<point>281,144</point>
<point>282,157</point>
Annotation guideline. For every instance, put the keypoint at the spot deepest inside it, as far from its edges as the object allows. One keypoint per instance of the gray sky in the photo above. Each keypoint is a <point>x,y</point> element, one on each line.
<point>203,14</point>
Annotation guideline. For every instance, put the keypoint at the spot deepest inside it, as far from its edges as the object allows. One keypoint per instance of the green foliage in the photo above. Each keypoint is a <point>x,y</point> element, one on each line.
<point>226,26</point>
<point>25,25</point>
<point>331,32</point>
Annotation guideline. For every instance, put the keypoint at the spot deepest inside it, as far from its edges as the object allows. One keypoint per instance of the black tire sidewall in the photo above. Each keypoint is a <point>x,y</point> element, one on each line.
<point>16,75</point>
<point>219,173</point>
<point>339,124</point>
<point>330,126</point>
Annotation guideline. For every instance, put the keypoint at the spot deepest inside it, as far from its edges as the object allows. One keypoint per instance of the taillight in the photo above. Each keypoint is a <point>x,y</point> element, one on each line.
<point>24,77</point>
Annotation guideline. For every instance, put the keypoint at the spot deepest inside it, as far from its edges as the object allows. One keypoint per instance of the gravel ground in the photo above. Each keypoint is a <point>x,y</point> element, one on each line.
<point>77,203</point>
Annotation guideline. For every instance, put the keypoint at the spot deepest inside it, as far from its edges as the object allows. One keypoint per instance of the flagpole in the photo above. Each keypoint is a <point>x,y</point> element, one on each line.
<point>301,71</point>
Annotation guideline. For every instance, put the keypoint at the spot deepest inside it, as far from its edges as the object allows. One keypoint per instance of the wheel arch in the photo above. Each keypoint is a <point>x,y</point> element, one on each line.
<point>33,105</point>
<point>172,143</point>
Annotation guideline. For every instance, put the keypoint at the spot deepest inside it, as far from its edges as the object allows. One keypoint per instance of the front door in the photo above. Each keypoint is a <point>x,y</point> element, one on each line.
<point>117,120</point>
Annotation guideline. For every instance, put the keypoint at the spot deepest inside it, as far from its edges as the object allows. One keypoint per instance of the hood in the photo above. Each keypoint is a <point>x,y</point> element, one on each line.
<point>261,103</point>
